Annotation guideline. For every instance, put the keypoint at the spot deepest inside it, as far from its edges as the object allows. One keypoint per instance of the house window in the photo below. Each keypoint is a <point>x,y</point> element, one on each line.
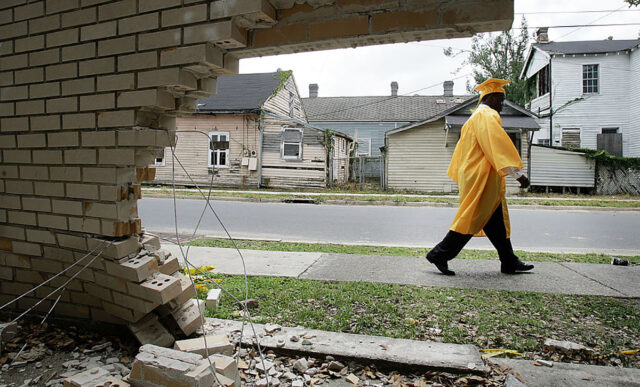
<point>544,141</point>
<point>590,78</point>
<point>609,130</point>
<point>159,160</point>
<point>364,147</point>
<point>291,143</point>
<point>571,137</point>
<point>543,81</point>
<point>292,103</point>
<point>219,149</point>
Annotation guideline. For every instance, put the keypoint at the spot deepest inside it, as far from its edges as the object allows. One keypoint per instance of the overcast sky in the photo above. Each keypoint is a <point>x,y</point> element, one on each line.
<point>421,67</point>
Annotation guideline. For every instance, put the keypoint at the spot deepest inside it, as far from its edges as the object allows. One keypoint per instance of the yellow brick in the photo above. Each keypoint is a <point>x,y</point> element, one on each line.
<point>34,172</point>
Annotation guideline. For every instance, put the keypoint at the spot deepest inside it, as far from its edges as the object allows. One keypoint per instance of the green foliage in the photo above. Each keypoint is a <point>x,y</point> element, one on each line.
<point>605,158</point>
<point>633,2</point>
<point>284,76</point>
<point>500,56</point>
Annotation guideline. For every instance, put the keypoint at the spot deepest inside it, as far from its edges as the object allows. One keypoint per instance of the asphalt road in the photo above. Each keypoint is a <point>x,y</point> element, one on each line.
<point>532,229</point>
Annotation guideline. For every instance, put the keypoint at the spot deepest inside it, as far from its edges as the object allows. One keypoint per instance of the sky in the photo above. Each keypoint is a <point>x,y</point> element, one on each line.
<point>421,67</point>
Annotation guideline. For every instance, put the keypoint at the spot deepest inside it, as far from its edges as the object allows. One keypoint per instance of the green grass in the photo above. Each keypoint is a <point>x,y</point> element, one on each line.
<point>527,199</point>
<point>514,320</point>
<point>398,251</point>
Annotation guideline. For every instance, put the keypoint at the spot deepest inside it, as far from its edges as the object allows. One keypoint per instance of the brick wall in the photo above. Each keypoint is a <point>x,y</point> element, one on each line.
<point>89,92</point>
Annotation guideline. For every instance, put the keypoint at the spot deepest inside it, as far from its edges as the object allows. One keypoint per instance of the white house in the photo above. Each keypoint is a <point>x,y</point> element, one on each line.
<point>587,93</point>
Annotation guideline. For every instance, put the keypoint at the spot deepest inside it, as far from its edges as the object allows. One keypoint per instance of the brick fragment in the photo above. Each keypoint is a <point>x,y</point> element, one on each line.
<point>170,266</point>
<point>188,316</point>
<point>135,269</point>
<point>150,331</point>
<point>225,34</point>
<point>159,289</point>
<point>215,344</point>
<point>213,298</point>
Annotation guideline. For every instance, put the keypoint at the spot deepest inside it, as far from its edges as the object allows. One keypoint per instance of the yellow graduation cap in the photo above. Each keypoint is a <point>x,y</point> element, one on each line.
<point>491,85</point>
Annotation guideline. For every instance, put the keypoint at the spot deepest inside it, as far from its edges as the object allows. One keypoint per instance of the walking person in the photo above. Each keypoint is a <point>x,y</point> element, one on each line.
<point>482,158</point>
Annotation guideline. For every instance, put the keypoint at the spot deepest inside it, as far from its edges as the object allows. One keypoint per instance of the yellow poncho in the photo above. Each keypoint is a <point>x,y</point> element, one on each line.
<point>479,164</point>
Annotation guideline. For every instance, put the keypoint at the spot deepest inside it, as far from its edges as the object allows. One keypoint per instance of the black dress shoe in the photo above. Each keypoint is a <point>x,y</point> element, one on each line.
<point>442,266</point>
<point>513,267</point>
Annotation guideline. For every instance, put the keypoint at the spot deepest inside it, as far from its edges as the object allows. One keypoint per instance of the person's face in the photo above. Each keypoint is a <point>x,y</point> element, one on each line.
<point>494,101</point>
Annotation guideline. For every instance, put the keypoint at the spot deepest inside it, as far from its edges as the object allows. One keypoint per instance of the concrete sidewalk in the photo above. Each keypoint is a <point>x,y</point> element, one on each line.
<point>547,277</point>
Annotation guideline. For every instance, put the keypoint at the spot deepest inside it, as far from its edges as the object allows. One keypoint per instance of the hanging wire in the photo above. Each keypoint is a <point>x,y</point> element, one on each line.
<point>188,264</point>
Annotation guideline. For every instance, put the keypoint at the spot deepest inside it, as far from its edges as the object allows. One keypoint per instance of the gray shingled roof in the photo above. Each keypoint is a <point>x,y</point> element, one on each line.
<point>240,93</point>
<point>588,46</point>
<point>401,108</point>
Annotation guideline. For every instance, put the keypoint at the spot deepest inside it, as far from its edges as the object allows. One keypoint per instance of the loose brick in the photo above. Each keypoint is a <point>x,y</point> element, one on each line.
<point>78,86</point>
<point>152,243</point>
<point>17,156</point>
<point>138,23</point>
<point>79,121</point>
<point>150,331</point>
<point>34,172</point>
<point>62,38</point>
<point>139,61</point>
<point>97,66</point>
<point>29,44</point>
<point>44,57</point>
<point>44,24</point>
<point>65,173</point>
<point>61,71</point>
<point>47,157</point>
<point>77,18</point>
<point>87,225</point>
<point>99,138</point>
<point>136,269</point>
<point>30,107</point>
<point>117,46</point>
<point>215,344</point>
<point>51,89</point>
<point>68,207</point>
<point>63,139</point>
<point>44,123</point>
<point>49,189</point>
<point>199,54</point>
<point>147,98</point>
<point>14,93</point>
<point>82,191</point>
<point>115,249</point>
<point>116,82</point>
<point>79,51</point>
<point>187,290</point>
<point>116,156</point>
<point>153,40</point>
<point>223,34</point>
<point>53,221</point>
<point>213,298</point>
<point>185,15</point>
<point>160,289</point>
<point>188,316</point>
<point>98,31</point>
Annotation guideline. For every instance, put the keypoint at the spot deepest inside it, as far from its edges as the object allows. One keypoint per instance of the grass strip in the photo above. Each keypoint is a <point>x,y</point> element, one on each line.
<point>604,202</point>
<point>398,251</point>
<point>513,320</point>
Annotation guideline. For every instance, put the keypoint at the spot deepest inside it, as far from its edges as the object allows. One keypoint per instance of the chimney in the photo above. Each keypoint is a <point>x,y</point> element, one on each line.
<point>448,88</point>
<point>542,35</point>
<point>394,89</point>
<point>313,90</point>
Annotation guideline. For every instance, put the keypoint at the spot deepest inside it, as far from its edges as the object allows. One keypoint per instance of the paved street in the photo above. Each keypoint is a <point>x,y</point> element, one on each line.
<point>533,229</point>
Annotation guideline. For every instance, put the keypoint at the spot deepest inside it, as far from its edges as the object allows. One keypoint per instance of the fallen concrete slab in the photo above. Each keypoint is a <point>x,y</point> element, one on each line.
<point>420,355</point>
<point>572,375</point>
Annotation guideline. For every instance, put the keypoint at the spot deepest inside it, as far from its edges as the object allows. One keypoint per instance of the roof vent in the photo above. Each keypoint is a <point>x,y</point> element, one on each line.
<point>440,101</point>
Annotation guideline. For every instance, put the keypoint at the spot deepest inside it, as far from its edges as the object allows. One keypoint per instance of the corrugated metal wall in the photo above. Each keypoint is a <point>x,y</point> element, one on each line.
<point>560,168</point>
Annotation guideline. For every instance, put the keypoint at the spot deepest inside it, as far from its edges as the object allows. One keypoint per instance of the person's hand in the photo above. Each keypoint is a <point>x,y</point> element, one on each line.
<point>524,181</point>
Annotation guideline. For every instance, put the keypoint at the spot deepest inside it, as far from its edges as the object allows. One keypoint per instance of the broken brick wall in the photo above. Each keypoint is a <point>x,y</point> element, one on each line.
<point>89,92</point>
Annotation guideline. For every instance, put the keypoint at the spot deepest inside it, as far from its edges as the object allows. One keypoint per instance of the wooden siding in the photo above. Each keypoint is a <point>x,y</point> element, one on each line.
<point>373,130</point>
<point>279,103</point>
<point>340,159</point>
<point>561,168</point>
<point>613,106</point>
<point>192,149</point>
<point>417,159</point>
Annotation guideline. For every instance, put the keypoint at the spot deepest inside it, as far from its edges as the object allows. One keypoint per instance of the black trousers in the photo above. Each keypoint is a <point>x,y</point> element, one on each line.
<point>496,231</point>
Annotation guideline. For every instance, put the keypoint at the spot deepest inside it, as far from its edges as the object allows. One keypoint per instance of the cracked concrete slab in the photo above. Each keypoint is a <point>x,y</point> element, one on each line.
<point>572,375</point>
<point>624,279</point>
<point>427,355</point>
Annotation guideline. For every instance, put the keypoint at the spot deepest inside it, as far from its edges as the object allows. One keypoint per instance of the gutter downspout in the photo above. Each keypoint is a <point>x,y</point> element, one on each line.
<point>261,128</point>
<point>551,139</point>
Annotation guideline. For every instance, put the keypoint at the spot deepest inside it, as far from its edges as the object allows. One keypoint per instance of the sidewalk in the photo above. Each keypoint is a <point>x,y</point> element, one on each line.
<point>547,277</point>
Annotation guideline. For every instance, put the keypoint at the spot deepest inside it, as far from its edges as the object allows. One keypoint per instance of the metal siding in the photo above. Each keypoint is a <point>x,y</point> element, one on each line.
<point>557,167</point>
<point>631,134</point>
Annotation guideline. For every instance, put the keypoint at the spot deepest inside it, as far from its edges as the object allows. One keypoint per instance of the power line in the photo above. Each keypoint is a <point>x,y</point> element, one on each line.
<point>573,12</point>
<point>592,23</point>
<point>578,26</point>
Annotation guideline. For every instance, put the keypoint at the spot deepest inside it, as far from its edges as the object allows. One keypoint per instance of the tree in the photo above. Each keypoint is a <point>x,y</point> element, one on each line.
<point>500,56</point>
<point>633,2</point>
